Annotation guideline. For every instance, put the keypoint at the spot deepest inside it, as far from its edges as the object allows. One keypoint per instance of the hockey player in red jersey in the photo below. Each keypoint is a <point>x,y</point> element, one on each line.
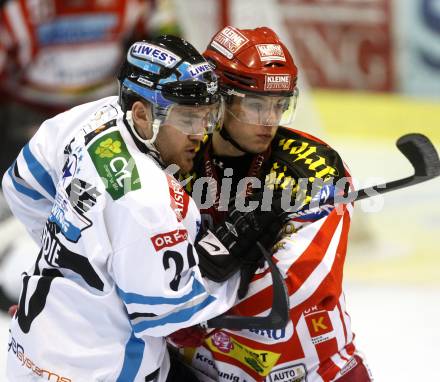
<point>258,80</point>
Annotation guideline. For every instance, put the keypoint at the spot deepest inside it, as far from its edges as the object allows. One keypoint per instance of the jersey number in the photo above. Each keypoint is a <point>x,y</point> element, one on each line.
<point>178,260</point>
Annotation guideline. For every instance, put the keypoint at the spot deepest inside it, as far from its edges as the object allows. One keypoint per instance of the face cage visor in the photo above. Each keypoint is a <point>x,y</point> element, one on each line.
<point>192,119</point>
<point>265,110</point>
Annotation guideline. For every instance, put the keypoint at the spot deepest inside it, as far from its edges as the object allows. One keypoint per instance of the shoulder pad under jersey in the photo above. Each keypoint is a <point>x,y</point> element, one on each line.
<point>297,155</point>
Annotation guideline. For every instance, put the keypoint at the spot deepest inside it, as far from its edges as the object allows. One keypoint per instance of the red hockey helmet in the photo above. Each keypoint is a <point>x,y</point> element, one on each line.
<point>254,64</point>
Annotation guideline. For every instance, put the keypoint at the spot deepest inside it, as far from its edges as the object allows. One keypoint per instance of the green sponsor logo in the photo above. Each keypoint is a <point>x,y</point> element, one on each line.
<point>253,363</point>
<point>115,165</point>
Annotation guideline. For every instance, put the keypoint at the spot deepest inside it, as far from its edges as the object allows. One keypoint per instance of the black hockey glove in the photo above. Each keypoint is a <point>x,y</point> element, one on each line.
<point>231,246</point>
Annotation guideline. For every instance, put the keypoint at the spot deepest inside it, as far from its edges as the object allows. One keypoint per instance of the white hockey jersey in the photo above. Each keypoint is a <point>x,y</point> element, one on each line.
<point>117,270</point>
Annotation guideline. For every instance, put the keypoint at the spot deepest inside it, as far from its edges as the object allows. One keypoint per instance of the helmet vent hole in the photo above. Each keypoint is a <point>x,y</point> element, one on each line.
<point>248,81</point>
<point>274,65</point>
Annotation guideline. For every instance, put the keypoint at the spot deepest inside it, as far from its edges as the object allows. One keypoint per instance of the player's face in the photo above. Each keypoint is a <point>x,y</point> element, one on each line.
<point>246,126</point>
<point>195,120</point>
<point>178,148</point>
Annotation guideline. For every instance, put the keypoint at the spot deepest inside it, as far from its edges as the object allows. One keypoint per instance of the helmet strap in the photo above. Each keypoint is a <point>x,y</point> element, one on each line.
<point>149,143</point>
<point>227,137</point>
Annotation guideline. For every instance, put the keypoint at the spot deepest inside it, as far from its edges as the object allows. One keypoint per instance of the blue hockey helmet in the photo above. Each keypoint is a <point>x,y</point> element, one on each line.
<point>169,72</point>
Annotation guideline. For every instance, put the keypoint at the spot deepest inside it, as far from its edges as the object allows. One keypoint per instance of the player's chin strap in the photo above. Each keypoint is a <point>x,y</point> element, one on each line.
<point>227,137</point>
<point>148,143</point>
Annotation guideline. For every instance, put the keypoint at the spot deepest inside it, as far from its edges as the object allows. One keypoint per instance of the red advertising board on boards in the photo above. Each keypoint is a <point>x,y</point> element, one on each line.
<point>342,43</point>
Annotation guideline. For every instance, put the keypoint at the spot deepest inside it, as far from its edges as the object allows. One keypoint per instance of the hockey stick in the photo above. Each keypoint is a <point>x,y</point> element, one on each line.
<point>279,314</point>
<point>422,155</point>
<point>419,151</point>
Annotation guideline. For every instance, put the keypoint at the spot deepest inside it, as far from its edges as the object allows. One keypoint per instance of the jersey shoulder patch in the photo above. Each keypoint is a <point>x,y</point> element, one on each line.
<point>296,154</point>
<point>297,161</point>
<point>114,164</point>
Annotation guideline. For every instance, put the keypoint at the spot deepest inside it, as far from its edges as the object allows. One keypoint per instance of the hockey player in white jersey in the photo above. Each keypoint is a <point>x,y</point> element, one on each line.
<point>118,266</point>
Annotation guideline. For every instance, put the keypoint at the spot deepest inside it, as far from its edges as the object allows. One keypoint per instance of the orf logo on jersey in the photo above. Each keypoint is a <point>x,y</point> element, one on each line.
<point>169,239</point>
<point>228,41</point>
<point>179,199</point>
<point>277,82</point>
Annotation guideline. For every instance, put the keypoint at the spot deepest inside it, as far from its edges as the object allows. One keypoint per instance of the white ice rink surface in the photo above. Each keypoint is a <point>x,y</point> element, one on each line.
<point>398,329</point>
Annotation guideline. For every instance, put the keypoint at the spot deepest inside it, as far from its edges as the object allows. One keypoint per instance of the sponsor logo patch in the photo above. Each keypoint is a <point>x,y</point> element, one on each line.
<point>69,168</point>
<point>203,362</point>
<point>270,52</point>
<point>144,81</point>
<point>271,336</point>
<point>82,195</point>
<point>277,81</point>
<point>321,209</point>
<point>259,361</point>
<point>169,239</point>
<point>228,41</point>
<point>27,363</point>
<point>222,341</point>
<point>57,254</point>
<point>312,160</point>
<point>348,366</point>
<point>115,165</point>
<point>179,199</point>
<point>196,70</point>
<point>155,54</point>
<point>295,373</point>
<point>212,87</point>
<point>102,120</point>
<point>70,221</point>
<point>320,326</point>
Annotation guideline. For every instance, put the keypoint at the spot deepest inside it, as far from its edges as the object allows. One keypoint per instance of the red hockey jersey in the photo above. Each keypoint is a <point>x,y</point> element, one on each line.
<point>317,343</point>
